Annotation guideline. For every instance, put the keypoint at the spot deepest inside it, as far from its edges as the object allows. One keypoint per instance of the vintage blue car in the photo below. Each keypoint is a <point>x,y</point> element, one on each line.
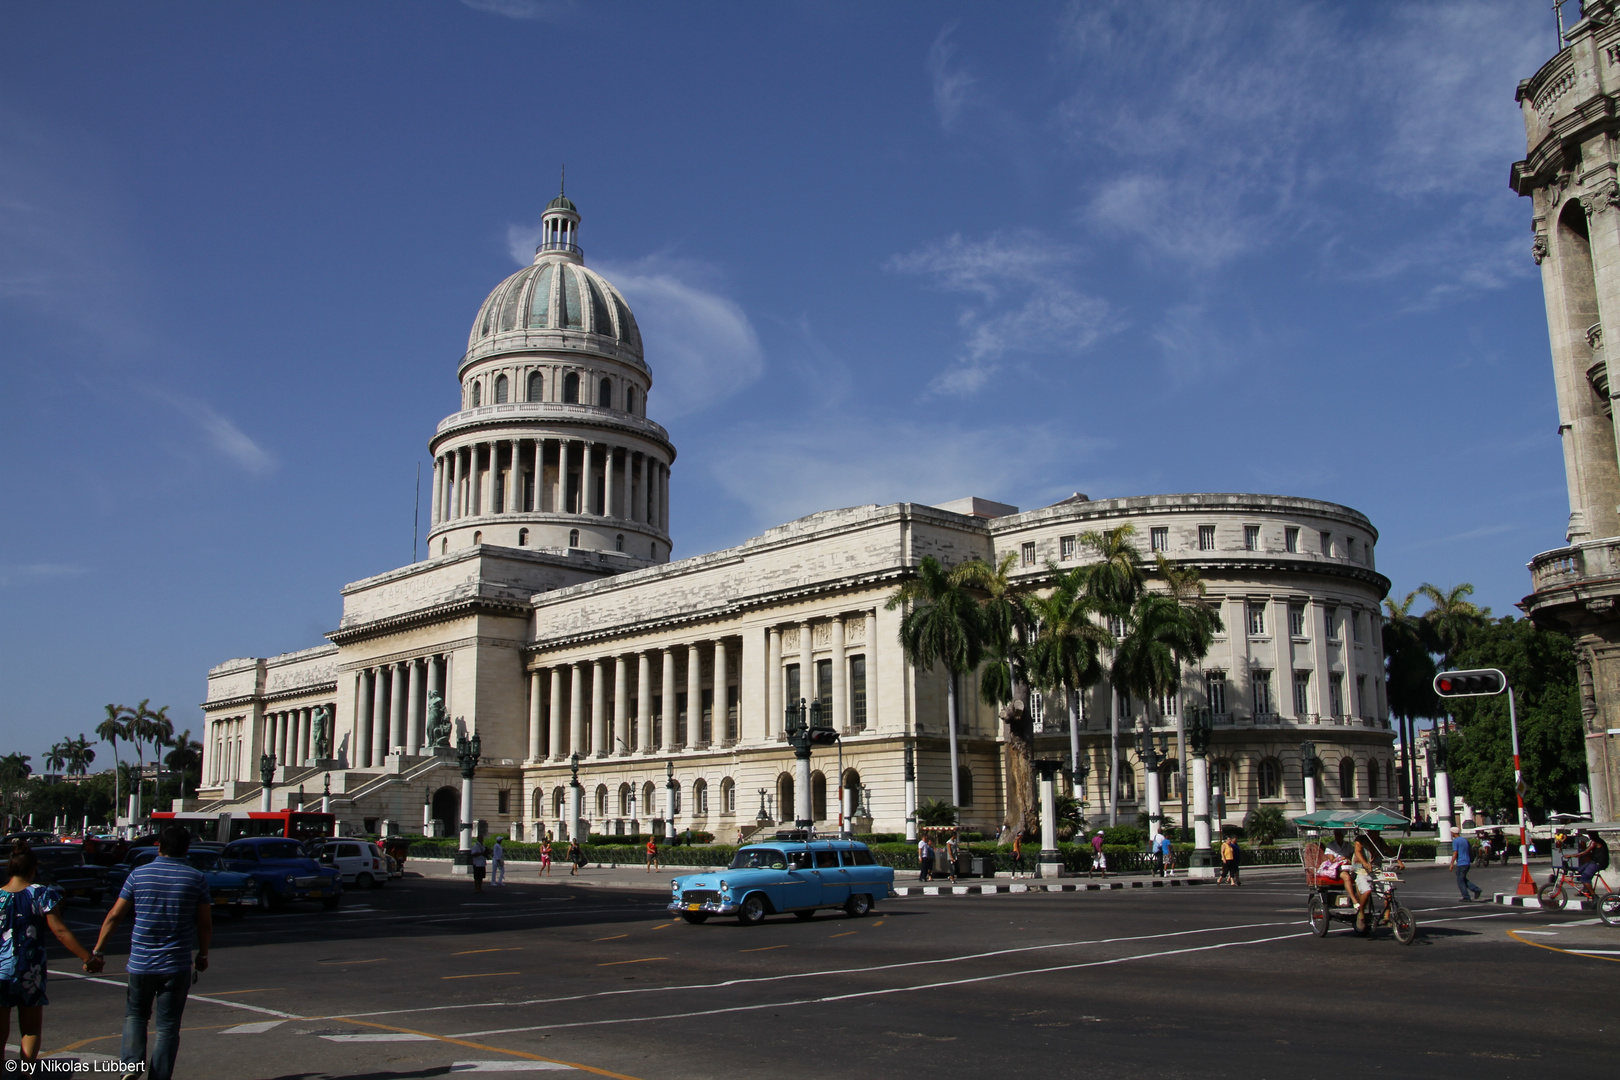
<point>281,871</point>
<point>231,892</point>
<point>785,875</point>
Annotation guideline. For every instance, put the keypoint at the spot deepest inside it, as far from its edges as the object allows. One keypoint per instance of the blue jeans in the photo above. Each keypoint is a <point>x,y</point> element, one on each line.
<point>167,992</point>
<point>1464,885</point>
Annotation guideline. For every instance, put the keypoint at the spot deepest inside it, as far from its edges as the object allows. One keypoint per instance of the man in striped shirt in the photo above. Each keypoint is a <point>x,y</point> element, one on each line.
<point>171,904</point>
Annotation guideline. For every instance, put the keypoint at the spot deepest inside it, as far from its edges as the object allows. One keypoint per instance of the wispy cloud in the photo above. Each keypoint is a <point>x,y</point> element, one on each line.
<point>1025,303</point>
<point>952,84</point>
<point>221,432</point>
<point>28,573</point>
<point>527,10</point>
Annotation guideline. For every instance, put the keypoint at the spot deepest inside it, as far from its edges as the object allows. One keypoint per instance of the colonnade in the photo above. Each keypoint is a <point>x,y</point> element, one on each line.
<point>226,738</point>
<point>289,734</point>
<point>503,476</point>
<point>390,707</point>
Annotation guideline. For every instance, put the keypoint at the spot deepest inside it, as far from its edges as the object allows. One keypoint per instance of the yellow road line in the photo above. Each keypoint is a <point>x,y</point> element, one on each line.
<point>227,993</point>
<point>70,1047</point>
<point>492,1049</point>
<point>481,975</point>
<point>615,937</point>
<point>1514,934</point>
<point>878,923</point>
<point>470,952</point>
<point>767,948</point>
<point>643,960</point>
<point>846,933</point>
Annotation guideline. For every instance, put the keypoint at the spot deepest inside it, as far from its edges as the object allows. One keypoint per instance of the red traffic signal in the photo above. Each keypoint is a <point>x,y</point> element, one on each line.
<point>1482,683</point>
<point>823,736</point>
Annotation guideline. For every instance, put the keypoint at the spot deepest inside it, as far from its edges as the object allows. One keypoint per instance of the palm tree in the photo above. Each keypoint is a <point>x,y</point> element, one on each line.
<point>1008,625</point>
<point>56,758</point>
<point>186,754</point>
<point>113,728</point>
<point>1451,618</point>
<point>80,755</point>
<point>1114,582</point>
<point>1188,588</point>
<point>1409,672</point>
<point>1064,657</point>
<point>943,625</point>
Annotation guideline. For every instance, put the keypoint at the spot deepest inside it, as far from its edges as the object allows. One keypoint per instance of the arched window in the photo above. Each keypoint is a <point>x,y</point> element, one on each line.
<point>571,388</point>
<point>629,399</point>
<point>1127,781</point>
<point>536,386</point>
<point>478,394</point>
<point>1223,778</point>
<point>624,800</point>
<point>573,538</point>
<point>818,797</point>
<point>1372,779</point>
<point>559,803</point>
<point>601,801</point>
<point>618,542</point>
<point>700,798</point>
<point>478,538</point>
<point>444,546</point>
<point>652,551</point>
<point>539,804</point>
<point>1270,779</point>
<point>728,796</point>
<point>1168,774</point>
<point>675,795</point>
<point>501,387</point>
<point>523,538</point>
<point>1347,778</point>
<point>604,393</point>
<point>784,798</point>
<point>649,800</point>
<point>964,780</point>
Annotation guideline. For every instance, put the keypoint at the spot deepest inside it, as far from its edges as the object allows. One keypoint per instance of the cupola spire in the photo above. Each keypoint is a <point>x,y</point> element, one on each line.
<point>559,226</point>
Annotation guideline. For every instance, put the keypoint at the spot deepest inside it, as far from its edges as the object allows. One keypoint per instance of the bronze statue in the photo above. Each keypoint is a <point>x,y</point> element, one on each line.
<point>322,724</point>
<point>438,725</point>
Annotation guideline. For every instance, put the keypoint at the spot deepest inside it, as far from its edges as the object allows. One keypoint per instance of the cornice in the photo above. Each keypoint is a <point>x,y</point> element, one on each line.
<point>454,609</point>
<point>550,414</point>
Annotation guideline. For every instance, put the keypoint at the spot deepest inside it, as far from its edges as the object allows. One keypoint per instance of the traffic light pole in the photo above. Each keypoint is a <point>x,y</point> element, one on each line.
<point>1527,884</point>
<point>1488,682</point>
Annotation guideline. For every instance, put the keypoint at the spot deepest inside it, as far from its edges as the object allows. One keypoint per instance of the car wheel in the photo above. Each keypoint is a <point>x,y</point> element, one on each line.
<point>365,881</point>
<point>267,897</point>
<point>330,903</point>
<point>696,918</point>
<point>857,905</point>
<point>752,911</point>
<point>805,916</point>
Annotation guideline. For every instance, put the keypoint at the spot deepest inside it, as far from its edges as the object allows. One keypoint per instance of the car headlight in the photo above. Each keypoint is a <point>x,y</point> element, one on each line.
<point>290,879</point>
<point>675,885</point>
<point>722,884</point>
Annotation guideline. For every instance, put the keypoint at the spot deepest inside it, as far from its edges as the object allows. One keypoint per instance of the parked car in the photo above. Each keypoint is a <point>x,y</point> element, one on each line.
<point>361,862</point>
<point>282,872</point>
<point>230,891</point>
<point>33,837</point>
<point>798,876</point>
<point>63,865</point>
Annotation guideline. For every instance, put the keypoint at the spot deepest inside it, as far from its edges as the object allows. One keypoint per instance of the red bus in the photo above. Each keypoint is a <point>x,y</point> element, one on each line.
<point>235,824</point>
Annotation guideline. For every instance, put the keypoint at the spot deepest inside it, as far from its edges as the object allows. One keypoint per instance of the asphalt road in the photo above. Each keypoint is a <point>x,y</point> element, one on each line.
<point>424,978</point>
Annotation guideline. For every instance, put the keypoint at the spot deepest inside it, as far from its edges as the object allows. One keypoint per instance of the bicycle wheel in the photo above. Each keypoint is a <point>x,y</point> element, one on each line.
<point>1609,909</point>
<point>1405,925</point>
<point>1552,895</point>
<point>1318,914</point>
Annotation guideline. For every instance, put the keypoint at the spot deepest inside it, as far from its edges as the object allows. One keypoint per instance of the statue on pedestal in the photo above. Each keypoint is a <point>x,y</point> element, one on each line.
<point>322,724</point>
<point>438,725</point>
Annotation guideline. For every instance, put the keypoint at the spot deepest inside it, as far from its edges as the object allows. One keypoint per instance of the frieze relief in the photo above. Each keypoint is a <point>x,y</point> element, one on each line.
<point>855,628</point>
<point>790,639</point>
<point>1602,197</point>
<point>821,635</point>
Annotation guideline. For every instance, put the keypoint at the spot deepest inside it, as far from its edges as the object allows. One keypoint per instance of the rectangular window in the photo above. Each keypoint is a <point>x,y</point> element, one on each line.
<point>1066,548</point>
<point>503,802</point>
<point>1350,550</point>
<point>1355,626</point>
<point>1332,618</point>
<point>1037,709</point>
<point>1302,693</point>
<point>1261,678</point>
<point>706,718</point>
<point>1291,539</point>
<point>1296,620</point>
<point>857,693</point>
<point>1361,695</point>
<point>1167,705</point>
<point>1206,538</point>
<point>731,713</point>
<point>1029,553</point>
<point>1159,538</point>
<point>1215,691</point>
<point>1257,618</point>
<point>680,719</point>
<point>1327,544</point>
<point>1336,693</point>
<point>1116,626</point>
<point>824,690</point>
<point>1251,538</point>
<point>793,690</point>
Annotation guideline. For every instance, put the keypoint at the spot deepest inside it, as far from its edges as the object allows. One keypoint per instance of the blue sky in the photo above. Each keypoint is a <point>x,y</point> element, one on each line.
<point>878,252</point>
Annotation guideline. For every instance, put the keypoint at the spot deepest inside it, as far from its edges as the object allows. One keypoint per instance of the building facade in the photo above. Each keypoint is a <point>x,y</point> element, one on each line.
<point>1571,174</point>
<point>549,620</point>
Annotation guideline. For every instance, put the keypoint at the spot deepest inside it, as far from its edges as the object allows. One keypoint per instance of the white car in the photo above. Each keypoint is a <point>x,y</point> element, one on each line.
<point>361,862</point>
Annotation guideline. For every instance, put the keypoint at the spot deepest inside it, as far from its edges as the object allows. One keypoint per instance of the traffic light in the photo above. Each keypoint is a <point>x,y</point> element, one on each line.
<point>1483,683</point>
<point>823,736</point>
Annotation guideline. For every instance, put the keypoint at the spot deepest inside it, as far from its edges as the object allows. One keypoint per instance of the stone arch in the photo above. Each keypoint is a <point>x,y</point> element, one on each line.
<point>538,800</point>
<point>700,798</point>
<point>477,393</point>
<point>604,394</point>
<point>502,389</point>
<point>559,802</point>
<point>649,800</point>
<point>601,802</point>
<point>818,796</point>
<point>624,799</point>
<point>728,796</point>
<point>784,797</point>
<point>573,538</point>
<point>570,393</point>
<point>446,810</point>
<point>1268,778</point>
<point>629,399</point>
<point>1347,777</point>
<point>536,388</point>
<point>523,538</point>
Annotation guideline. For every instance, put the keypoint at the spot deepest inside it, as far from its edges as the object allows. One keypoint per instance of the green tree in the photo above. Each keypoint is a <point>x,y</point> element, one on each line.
<point>56,758</point>
<point>943,624</point>
<point>1065,657</point>
<point>114,727</point>
<point>1451,618</point>
<point>1006,622</point>
<point>1541,669</point>
<point>1264,824</point>
<point>936,813</point>
<point>185,758</point>
<point>80,755</point>
<point>14,773</point>
<point>1409,672</point>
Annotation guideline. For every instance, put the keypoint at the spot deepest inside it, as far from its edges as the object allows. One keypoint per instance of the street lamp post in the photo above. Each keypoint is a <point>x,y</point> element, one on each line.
<point>576,801</point>
<point>1049,863</point>
<point>1150,756</point>
<point>911,790</point>
<point>326,795</point>
<point>1309,762</point>
<point>1201,727</point>
<point>669,802</point>
<point>267,773</point>
<point>804,730</point>
<point>468,752</point>
<point>1439,769</point>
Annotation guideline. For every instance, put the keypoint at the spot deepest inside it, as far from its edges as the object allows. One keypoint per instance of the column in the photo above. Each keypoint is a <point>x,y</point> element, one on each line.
<point>396,706</point>
<point>666,715</point>
<point>721,730</point>
<point>509,499</point>
<point>282,724</point>
<point>539,473</point>
<point>607,482</point>
<point>536,732</point>
<point>413,711</point>
<point>379,719</point>
<point>599,733</point>
<point>559,503</point>
<point>807,666</point>
<point>362,721</point>
<point>621,706</point>
<point>433,505</point>
<point>576,714</point>
<point>458,504</point>
<point>301,752</point>
<point>694,695</point>
<point>435,685</point>
<point>872,670</point>
<point>840,690</point>
<point>663,497</point>
<point>644,733</point>
<point>557,733</point>
<point>773,682</point>
<point>486,486</point>
<point>652,492</point>
<point>586,474</point>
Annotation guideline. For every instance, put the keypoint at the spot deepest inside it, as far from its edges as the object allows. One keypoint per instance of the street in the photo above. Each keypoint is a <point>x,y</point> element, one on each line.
<point>424,978</point>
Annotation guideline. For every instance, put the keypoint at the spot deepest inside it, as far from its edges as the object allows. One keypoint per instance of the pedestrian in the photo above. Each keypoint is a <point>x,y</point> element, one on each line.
<point>576,857</point>
<point>652,853</point>
<point>478,860</point>
<point>497,863</point>
<point>1461,862</point>
<point>1593,858</point>
<point>169,899</point>
<point>545,856</point>
<point>1161,854</point>
<point>1018,854</point>
<point>925,858</point>
<point>1236,871</point>
<point>1099,861</point>
<point>953,848</point>
<point>1229,871</point>
<point>25,910</point>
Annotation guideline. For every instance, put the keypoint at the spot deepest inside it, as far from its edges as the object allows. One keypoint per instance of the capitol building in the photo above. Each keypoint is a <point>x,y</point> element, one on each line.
<point>549,619</point>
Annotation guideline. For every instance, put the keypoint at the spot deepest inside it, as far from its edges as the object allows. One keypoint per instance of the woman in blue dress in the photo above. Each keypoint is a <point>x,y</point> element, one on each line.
<point>25,910</point>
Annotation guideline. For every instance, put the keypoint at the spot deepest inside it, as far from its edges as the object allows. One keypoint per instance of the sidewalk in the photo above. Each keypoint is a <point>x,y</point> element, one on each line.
<point>622,876</point>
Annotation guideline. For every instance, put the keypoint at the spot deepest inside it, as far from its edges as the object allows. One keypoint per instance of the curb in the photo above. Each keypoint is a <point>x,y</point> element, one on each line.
<point>1514,900</point>
<point>1022,887</point>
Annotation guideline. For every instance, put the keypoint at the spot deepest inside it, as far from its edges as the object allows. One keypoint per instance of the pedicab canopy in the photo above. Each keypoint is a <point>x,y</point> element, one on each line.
<point>1377,818</point>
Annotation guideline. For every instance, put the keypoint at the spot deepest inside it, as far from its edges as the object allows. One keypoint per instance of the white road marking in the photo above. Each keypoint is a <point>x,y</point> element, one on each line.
<point>834,998</point>
<point>509,1066</point>
<point>257,1028</point>
<point>260,1009</point>
<point>380,1037</point>
<point>1543,933</point>
<point>1597,952</point>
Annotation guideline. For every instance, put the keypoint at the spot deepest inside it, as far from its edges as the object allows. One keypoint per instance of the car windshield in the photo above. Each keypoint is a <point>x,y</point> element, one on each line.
<point>759,858</point>
<point>288,850</point>
<point>203,860</point>
<point>55,860</point>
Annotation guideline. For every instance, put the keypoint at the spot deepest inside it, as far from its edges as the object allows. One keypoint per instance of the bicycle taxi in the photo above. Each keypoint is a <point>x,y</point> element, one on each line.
<point>1326,900</point>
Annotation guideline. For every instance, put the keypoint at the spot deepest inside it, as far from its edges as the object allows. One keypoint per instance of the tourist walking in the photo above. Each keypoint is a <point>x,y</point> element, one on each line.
<point>27,909</point>
<point>1161,853</point>
<point>1461,862</point>
<point>1229,861</point>
<point>1099,861</point>
<point>497,863</point>
<point>576,857</point>
<point>652,854</point>
<point>545,856</point>
<point>953,848</point>
<point>1018,854</point>
<point>925,858</point>
<point>477,860</point>
<point>169,899</point>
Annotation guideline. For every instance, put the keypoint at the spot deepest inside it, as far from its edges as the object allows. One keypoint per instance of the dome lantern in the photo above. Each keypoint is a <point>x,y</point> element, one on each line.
<point>559,228</point>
